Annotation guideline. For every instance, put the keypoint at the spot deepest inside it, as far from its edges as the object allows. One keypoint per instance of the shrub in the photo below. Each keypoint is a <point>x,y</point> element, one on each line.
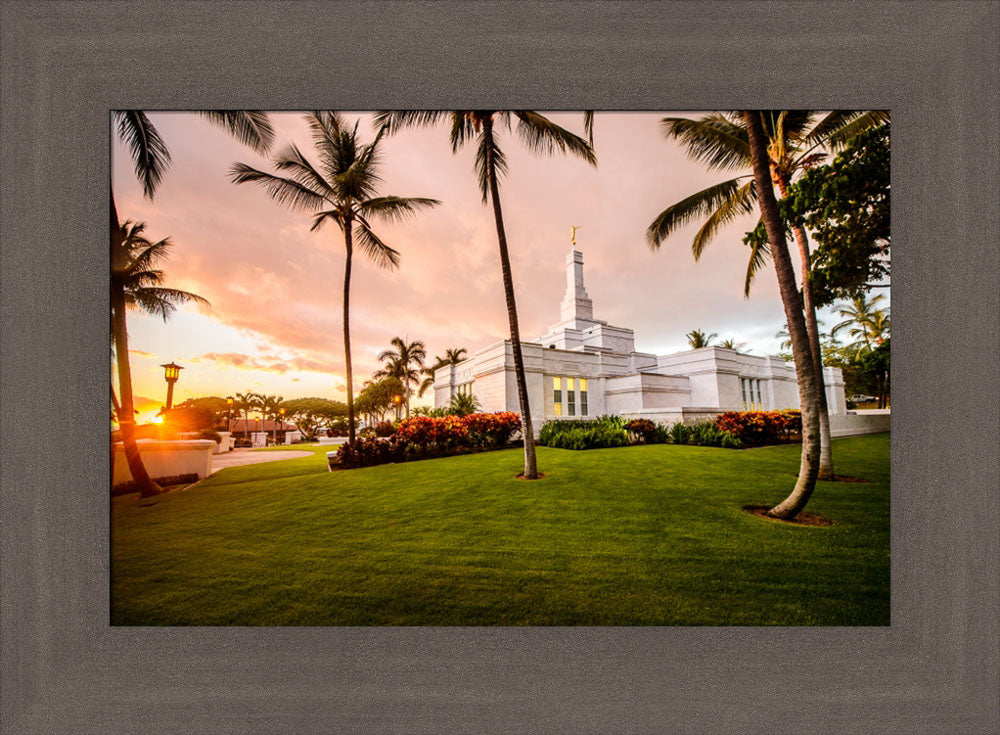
<point>491,430</point>
<point>761,427</point>
<point>606,431</point>
<point>679,433</point>
<point>210,434</point>
<point>424,429</point>
<point>366,452</point>
<point>384,428</point>
<point>643,429</point>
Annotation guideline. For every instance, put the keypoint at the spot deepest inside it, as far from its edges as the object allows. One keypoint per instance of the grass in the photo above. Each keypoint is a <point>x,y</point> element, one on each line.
<point>646,535</point>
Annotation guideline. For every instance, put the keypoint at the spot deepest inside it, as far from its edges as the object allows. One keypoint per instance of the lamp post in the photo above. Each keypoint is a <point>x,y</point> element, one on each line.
<point>229,413</point>
<point>397,399</point>
<point>170,373</point>
<point>281,418</point>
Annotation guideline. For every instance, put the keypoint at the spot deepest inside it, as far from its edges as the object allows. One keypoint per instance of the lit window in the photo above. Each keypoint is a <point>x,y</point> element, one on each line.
<point>570,397</point>
<point>557,396</point>
<point>583,396</point>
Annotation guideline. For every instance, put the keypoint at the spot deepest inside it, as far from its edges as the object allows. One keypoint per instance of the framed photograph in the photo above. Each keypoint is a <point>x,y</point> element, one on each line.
<point>429,420</point>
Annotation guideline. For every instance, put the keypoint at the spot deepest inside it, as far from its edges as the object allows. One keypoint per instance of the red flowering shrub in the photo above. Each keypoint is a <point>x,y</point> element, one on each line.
<point>761,427</point>
<point>426,429</point>
<point>489,430</point>
<point>642,428</point>
<point>384,428</point>
<point>425,437</point>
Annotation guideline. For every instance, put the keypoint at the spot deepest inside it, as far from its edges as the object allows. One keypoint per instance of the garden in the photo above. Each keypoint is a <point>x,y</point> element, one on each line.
<point>428,437</point>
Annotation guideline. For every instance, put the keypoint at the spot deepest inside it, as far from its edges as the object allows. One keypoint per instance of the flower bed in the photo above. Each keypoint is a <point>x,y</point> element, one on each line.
<point>762,427</point>
<point>426,437</point>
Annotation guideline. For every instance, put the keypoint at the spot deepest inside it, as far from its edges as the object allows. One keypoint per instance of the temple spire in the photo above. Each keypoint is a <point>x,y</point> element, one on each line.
<point>576,304</point>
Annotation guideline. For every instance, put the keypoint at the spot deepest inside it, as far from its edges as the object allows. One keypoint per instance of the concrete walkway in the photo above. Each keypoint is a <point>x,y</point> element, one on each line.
<point>239,457</point>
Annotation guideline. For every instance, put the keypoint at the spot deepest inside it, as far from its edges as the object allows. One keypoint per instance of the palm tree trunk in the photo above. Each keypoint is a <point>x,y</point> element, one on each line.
<point>126,414</point>
<point>349,245</point>
<point>530,463</point>
<point>792,302</point>
<point>126,418</point>
<point>812,327</point>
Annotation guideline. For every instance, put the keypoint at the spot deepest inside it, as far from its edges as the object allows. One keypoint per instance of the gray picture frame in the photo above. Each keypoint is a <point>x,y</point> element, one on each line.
<point>66,64</point>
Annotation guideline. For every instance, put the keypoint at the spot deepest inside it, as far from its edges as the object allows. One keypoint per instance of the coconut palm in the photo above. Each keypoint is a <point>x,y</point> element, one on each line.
<point>732,344</point>
<point>697,338</point>
<point>540,135</point>
<point>405,361</point>
<point>342,190</point>
<point>452,356</point>
<point>795,141</point>
<point>151,158</point>
<point>860,313</point>
<point>136,284</point>
<point>805,368</point>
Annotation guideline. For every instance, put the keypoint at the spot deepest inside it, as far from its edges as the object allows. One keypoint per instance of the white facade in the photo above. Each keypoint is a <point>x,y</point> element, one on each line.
<point>583,367</point>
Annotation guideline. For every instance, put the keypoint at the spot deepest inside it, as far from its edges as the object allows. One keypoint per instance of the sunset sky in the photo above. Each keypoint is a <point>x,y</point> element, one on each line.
<point>274,324</point>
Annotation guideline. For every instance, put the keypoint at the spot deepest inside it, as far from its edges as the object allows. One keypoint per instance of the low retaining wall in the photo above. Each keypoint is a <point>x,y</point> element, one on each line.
<point>858,423</point>
<point>167,458</point>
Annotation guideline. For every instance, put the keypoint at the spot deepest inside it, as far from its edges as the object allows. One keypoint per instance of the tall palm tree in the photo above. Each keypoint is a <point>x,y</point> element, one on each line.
<point>805,367</point>
<point>407,359</point>
<point>137,284</point>
<point>540,135</point>
<point>343,191</point>
<point>697,338</point>
<point>452,356</point>
<point>795,141</point>
<point>151,158</point>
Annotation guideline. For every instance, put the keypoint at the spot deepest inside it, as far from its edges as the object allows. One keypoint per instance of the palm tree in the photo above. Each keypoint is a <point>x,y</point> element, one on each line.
<point>407,362</point>
<point>245,403</point>
<point>452,356</point>
<point>698,339</point>
<point>540,135</point>
<point>136,283</point>
<point>794,140</point>
<point>860,313</point>
<point>805,367</point>
<point>462,404</point>
<point>732,344</point>
<point>269,409</point>
<point>151,158</point>
<point>343,191</point>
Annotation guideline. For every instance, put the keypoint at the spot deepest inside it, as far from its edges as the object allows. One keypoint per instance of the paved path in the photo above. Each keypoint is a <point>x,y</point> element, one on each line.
<point>239,457</point>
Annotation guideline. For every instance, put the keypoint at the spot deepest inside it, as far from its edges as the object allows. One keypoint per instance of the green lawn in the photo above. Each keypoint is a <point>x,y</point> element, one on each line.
<point>630,536</point>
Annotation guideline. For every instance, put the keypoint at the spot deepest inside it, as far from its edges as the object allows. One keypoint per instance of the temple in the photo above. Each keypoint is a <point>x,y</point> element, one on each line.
<point>583,367</point>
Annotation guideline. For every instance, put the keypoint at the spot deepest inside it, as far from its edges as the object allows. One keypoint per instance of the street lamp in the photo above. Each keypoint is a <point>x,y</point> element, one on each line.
<point>281,419</point>
<point>170,373</point>
<point>397,399</point>
<point>229,413</point>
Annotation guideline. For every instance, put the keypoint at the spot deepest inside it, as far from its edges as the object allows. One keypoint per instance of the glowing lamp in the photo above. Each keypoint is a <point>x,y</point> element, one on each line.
<point>171,372</point>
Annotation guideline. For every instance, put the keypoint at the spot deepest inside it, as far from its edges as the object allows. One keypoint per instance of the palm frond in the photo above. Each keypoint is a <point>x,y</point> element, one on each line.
<point>588,126</point>
<point>300,169</point>
<point>845,133</point>
<point>541,135</point>
<point>399,119</point>
<point>396,209</point>
<point>713,140</point>
<point>700,204</point>
<point>321,217</point>
<point>285,191</point>
<point>488,147</point>
<point>161,301</point>
<point>149,153</point>
<point>372,246</point>
<point>463,129</point>
<point>760,254</point>
<point>250,127</point>
<point>741,202</point>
